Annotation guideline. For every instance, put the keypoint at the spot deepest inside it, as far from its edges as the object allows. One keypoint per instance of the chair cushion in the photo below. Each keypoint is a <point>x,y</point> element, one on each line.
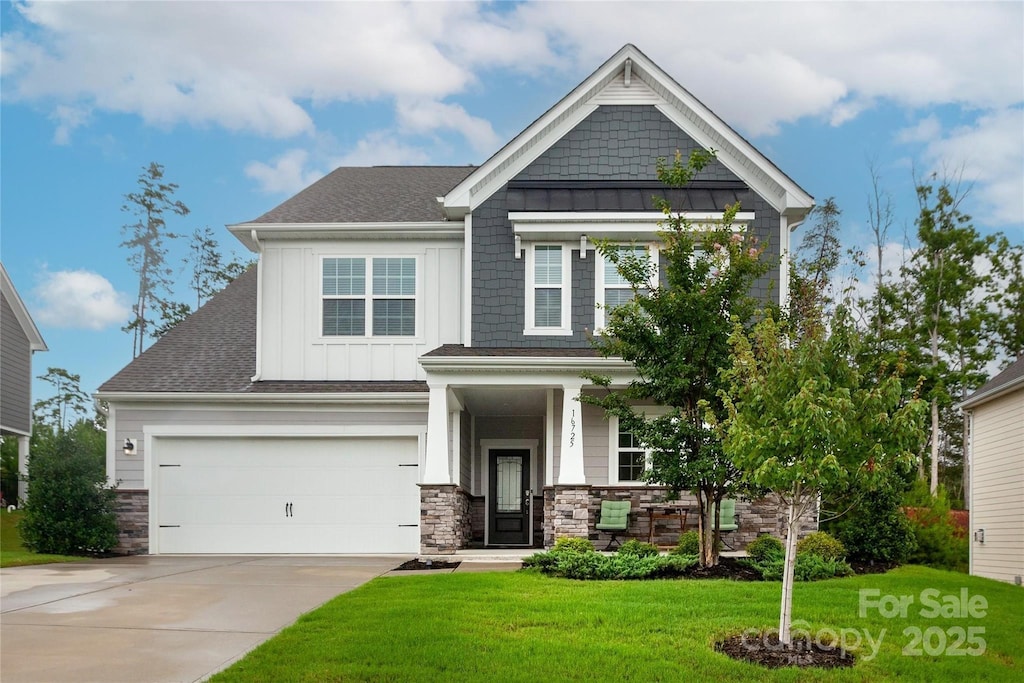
<point>614,515</point>
<point>727,516</point>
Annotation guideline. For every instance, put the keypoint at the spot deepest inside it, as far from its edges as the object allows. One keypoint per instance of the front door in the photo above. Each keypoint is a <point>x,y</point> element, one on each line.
<point>509,497</point>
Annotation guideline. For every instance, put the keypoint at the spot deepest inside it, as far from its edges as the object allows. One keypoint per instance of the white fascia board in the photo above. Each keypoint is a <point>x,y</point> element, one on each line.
<point>616,217</point>
<point>247,232</point>
<point>228,399</point>
<point>975,401</point>
<point>28,326</point>
<point>521,363</point>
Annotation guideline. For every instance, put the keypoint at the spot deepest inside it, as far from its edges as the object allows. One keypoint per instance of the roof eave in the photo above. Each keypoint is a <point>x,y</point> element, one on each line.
<point>35,339</point>
<point>250,234</point>
<point>520,363</point>
<point>994,393</point>
<point>378,397</point>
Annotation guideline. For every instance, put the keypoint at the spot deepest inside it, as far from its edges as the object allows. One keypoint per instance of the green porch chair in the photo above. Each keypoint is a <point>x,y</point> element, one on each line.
<point>614,517</point>
<point>727,520</point>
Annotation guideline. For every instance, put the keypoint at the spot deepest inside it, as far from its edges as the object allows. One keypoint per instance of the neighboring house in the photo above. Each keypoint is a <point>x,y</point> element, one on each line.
<point>19,339</point>
<point>997,475</point>
<point>400,371</point>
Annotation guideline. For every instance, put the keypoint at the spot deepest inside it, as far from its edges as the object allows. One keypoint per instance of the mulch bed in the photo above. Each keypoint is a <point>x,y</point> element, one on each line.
<point>727,568</point>
<point>412,565</point>
<point>766,649</point>
<point>872,567</point>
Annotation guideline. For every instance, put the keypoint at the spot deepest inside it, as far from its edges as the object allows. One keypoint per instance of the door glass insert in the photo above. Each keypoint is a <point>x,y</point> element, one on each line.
<point>510,483</point>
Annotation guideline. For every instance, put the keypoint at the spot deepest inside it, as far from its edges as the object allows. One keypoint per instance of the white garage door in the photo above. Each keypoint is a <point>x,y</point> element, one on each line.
<point>271,495</point>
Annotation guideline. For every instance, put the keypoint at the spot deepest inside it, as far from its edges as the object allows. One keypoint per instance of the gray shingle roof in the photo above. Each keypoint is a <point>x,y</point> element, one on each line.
<point>1013,373</point>
<point>399,194</point>
<point>213,350</point>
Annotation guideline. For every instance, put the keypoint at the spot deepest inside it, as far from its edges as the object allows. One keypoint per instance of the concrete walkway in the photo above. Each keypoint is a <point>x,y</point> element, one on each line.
<point>159,618</point>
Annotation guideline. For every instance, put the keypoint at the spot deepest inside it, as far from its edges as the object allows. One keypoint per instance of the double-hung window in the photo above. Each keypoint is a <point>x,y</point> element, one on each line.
<point>548,293</point>
<point>369,296</point>
<point>612,289</point>
<point>629,459</point>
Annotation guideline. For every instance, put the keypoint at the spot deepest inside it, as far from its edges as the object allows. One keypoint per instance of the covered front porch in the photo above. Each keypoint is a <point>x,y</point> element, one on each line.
<point>513,460</point>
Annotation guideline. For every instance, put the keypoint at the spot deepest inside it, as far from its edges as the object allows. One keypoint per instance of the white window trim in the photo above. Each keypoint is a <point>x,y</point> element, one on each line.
<point>368,297</point>
<point>613,448</point>
<point>565,329</point>
<point>599,286</point>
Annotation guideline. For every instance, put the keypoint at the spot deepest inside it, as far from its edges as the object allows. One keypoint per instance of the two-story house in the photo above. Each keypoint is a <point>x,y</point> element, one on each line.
<point>19,340</point>
<point>400,372</point>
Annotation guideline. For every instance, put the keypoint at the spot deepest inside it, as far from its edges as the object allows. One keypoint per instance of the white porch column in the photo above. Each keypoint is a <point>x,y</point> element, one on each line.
<point>436,470</point>
<point>570,470</point>
<point>22,491</point>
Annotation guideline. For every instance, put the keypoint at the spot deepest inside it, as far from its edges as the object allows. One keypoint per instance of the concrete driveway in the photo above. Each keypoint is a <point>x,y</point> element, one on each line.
<point>159,618</point>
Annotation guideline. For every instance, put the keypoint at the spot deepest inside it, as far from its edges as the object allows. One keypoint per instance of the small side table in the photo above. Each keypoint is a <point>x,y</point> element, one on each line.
<point>654,513</point>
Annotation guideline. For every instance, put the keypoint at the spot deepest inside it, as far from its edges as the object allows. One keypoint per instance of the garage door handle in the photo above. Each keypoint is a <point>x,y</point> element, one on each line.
<point>288,510</point>
<point>408,525</point>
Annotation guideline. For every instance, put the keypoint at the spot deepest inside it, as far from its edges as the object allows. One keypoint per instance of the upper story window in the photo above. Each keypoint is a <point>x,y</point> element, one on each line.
<point>612,289</point>
<point>385,308</point>
<point>548,292</point>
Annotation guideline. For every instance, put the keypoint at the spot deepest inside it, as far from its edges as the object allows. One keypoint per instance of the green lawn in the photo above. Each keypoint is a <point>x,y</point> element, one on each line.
<point>13,554</point>
<point>500,627</point>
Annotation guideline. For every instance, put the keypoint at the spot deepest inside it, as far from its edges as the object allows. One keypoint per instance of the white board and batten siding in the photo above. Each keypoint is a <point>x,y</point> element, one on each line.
<point>291,344</point>
<point>997,484</point>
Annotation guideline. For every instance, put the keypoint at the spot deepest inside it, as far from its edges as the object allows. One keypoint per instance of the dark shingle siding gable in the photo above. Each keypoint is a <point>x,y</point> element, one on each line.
<point>213,350</point>
<point>400,194</point>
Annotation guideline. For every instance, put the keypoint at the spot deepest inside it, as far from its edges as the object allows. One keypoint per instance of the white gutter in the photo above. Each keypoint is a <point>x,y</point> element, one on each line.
<point>388,398</point>
<point>246,232</point>
<point>974,401</point>
<point>550,364</point>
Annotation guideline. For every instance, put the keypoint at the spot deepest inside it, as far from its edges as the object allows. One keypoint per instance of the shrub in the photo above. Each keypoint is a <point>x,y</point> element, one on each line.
<point>877,530</point>
<point>821,544</point>
<point>689,544</point>
<point>808,568</point>
<point>637,548</point>
<point>764,548</point>
<point>938,542</point>
<point>573,544</point>
<point>70,508</point>
<point>591,565</point>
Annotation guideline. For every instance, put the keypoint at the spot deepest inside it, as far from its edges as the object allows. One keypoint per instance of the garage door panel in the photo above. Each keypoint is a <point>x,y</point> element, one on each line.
<point>271,495</point>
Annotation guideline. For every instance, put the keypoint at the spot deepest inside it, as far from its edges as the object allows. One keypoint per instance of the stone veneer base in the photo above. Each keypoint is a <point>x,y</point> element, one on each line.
<point>132,510</point>
<point>446,519</point>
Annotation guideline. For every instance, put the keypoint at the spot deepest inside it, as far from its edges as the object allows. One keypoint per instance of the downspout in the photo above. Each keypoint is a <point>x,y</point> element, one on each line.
<point>259,307</point>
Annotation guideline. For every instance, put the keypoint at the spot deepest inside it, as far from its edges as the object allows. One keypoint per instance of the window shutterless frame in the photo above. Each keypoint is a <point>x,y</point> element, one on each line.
<point>548,289</point>
<point>370,297</point>
<point>611,289</point>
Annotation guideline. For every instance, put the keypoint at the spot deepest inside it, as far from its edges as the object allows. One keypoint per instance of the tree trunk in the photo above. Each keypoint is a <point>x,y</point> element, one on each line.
<point>935,446</point>
<point>786,610</point>
<point>966,475</point>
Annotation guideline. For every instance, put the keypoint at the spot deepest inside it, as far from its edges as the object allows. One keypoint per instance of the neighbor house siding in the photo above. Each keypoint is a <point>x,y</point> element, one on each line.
<point>16,371</point>
<point>997,500</point>
<point>292,346</point>
<point>132,422</point>
<point>615,143</point>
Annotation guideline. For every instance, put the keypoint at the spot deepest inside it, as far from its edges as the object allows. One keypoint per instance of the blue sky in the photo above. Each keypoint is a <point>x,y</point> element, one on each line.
<point>245,103</point>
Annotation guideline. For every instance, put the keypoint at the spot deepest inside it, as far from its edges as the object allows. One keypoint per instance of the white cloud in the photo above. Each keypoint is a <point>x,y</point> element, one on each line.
<point>925,130</point>
<point>258,67</point>
<point>382,148</point>
<point>79,299</point>
<point>425,116</point>
<point>68,118</point>
<point>287,174</point>
<point>991,154</point>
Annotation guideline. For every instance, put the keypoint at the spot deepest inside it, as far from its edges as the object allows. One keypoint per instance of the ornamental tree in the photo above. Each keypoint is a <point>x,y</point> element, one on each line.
<point>675,332</point>
<point>804,417</point>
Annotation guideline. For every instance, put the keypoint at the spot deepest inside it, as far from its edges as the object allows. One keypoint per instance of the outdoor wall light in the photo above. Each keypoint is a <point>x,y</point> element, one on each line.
<point>129,447</point>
